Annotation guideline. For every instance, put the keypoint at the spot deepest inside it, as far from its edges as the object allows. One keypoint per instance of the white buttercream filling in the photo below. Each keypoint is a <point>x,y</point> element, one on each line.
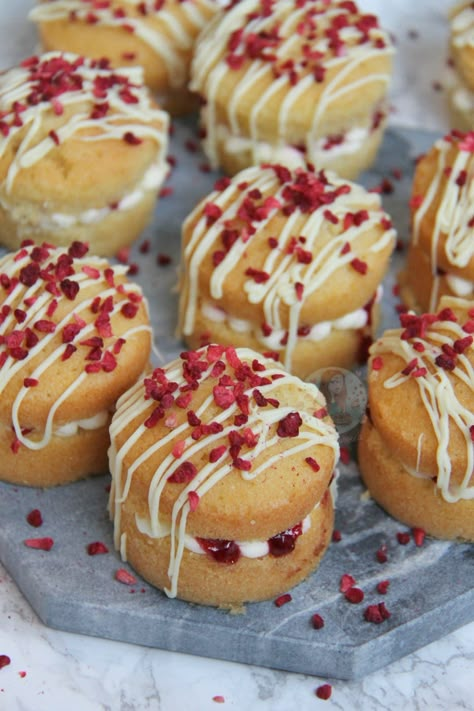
<point>319,150</point>
<point>69,429</point>
<point>152,179</point>
<point>354,320</point>
<point>459,286</point>
<point>462,27</point>
<point>461,96</point>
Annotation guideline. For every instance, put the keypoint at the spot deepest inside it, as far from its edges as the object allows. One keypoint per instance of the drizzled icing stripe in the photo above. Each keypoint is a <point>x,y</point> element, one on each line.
<point>282,270</point>
<point>26,305</point>
<point>343,52</point>
<point>108,105</point>
<point>462,25</point>
<point>168,43</point>
<point>454,220</point>
<point>261,422</point>
<point>438,376</point>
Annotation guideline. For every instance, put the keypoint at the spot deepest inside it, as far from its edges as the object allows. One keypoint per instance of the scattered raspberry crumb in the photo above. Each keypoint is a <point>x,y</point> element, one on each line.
<point>324,692</point>
<point>123,576</point>
<point>381,554</point>
<point>345,455</point>
<point>403,538</point>
<point>97,548</point>
<point>317,621</point>
<point>354,595</point>
<point>219,699</point>
<point>193,498</point>
<point>377,363</point>
<point>35,518</point>
<point>163,260</point>
<point>336,536</point>
<point>376,613</point>
<point>382,587</point>
<point>4,660</point>
<point>166,191</point>
<point>22,674</point>
<point>346,582</point>
<point>42,544</point>
<point>283,599</point>
<point>418,536</point>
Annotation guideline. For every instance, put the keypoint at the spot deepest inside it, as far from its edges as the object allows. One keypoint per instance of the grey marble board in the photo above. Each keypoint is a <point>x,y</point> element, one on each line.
<point>431,587</point>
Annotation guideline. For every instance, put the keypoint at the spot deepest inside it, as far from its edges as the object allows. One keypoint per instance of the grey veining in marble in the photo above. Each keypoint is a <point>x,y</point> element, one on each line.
<point>432,587</point>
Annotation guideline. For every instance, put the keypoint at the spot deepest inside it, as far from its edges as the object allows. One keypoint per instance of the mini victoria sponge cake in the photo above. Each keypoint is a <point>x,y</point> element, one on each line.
<point>288,263</point>
<point>416,446</point>
<point>157,35</point>
<point>293,81</point>
<point>82,153</point>
<point>441,253</point>
<point>221,465</point>
<point>74,335</point>
<point>460,77</point>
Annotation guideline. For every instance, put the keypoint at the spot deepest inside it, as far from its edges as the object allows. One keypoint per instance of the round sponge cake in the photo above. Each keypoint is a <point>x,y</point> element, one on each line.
<point>74,335</point>
<point>221,464</point>
<point>82,153</point>
<point>441,254</point>
<point>416,446</point>
<point>285,262</point>
<point>293,82</point>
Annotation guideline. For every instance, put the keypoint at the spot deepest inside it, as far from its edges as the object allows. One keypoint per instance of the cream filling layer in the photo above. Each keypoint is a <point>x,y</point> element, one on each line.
<point>462,27</point>
<point>354,320</point>
<point>70,429</point>
<point>319,151</point>
<point>248,549</point>
<point>461,96</point>
<point>153,178</point>
<point>459,286</point>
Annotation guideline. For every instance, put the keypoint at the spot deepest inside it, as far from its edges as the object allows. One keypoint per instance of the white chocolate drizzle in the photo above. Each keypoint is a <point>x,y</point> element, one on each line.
<point>283,269</point>
<point>209,69</point>
<point>35,302</point>
<point>262,421</point>
<point>454,216</point>
<point>121,116</point>
<point>438,393</point>
<point>160,29</point>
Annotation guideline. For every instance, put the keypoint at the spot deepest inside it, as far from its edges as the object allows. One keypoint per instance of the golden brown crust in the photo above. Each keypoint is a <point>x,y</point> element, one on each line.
<point>62,461</point>
<point>205,581</point>
<point>414,501</point>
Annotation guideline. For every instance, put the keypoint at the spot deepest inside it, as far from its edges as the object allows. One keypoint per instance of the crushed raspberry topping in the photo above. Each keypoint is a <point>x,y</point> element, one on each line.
<point>312,26</point>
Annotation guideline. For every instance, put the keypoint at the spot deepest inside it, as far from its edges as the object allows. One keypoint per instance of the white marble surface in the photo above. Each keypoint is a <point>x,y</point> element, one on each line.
<point>53,671</point>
